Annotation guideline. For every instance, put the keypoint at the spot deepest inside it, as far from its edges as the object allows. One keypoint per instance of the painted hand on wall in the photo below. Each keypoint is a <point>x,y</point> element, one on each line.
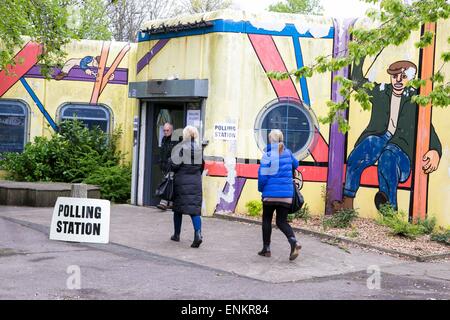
<point>430,161</point>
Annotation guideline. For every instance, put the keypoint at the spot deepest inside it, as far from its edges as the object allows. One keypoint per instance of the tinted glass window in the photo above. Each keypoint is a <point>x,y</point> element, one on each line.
<point>90,116</point>
<point>291,117</point>
<point>13,126</point>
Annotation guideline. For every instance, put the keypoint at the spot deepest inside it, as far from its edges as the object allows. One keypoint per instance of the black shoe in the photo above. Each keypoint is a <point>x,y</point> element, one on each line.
<point>162,207</point>
<point>175,237</point>
<point>265,252</point>
<point>295,248</point>
<point>198,239</point>
<point>380,199</point>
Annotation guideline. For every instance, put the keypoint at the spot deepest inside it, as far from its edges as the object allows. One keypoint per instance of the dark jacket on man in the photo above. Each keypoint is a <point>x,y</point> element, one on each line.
<point>405,134</point>
<point>165,152</point>
<point>188,193</point>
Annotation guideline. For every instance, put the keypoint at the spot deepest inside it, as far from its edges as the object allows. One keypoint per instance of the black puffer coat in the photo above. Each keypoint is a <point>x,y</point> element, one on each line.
<point>188,179</point>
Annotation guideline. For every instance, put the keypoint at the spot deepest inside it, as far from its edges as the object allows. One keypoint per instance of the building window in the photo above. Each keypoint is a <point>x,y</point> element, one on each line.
<point>90,115</point>
<point>13,125</point>
<point>296,120</point>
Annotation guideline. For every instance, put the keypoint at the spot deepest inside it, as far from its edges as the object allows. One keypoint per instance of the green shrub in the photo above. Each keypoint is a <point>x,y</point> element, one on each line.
<point>442,236</point>
<point>387,210</point>
<point>399,225</point>
<point>428,224</point>
<point>352,234</point>
<point>74,154</point>
<point>254,208</point>
<point>303,214</point>
<point>341,219</point>
<point>114,182</point>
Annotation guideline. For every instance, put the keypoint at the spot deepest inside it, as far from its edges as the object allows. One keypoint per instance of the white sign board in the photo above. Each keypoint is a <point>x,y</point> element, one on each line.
<point>225,131</point>
<point>193,118</point>
<point>80,220</point>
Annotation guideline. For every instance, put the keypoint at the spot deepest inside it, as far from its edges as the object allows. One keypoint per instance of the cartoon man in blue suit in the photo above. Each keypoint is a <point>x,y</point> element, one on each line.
<point>87,64</point>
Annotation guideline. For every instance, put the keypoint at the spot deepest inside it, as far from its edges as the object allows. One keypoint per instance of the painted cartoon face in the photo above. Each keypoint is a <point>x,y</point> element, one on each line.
<point>399,82</point>
<point>401,72</point>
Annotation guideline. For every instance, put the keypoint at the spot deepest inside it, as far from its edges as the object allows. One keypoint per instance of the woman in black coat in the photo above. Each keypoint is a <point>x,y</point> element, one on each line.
<point>187,164</point>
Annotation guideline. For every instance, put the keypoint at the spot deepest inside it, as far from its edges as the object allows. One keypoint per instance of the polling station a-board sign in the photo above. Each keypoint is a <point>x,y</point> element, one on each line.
<point>81,220</point>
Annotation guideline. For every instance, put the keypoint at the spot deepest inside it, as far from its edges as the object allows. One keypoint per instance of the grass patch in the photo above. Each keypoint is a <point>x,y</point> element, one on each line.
<point>341,219</point>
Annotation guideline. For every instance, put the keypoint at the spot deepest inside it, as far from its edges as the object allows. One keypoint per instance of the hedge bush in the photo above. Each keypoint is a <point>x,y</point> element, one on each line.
<point>72,155</point>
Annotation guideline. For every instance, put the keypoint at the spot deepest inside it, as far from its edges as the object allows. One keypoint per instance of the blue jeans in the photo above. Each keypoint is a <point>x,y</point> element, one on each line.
<point>178,219</point>
<point>393,165</point>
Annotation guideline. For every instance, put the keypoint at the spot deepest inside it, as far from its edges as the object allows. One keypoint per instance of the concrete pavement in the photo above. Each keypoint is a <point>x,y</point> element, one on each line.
<point>141,260</point>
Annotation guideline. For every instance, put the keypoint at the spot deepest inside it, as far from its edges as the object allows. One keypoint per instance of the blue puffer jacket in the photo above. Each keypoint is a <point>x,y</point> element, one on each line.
<point>275,173</point>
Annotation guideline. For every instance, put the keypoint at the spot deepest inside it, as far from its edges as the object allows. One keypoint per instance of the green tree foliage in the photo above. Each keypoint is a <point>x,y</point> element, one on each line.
<point>92,20</point>
<point>199,6</point>
<point>394,22</point>
<point>51,23</point>
<point>74,154</point>
<point>297,6</point>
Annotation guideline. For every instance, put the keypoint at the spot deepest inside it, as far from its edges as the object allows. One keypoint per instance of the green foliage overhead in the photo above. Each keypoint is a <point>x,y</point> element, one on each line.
<point>394,21</point>
<point>91,20</point>
<point>52,23</point>
<point>297,6</point>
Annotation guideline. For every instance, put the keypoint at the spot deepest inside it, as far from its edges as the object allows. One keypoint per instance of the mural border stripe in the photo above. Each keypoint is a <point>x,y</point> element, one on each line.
<point>39,104</point>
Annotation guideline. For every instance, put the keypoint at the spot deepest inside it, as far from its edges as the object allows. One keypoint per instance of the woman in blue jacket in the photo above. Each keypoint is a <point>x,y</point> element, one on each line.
<point>275,182</point>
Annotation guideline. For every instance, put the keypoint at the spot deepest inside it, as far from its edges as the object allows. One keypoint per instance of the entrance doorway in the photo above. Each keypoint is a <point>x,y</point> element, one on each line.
<point>179,114</point>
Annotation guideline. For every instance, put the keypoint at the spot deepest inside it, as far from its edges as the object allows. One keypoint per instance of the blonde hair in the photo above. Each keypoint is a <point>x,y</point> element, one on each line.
<point>276,136</point>
<point>190,133</point>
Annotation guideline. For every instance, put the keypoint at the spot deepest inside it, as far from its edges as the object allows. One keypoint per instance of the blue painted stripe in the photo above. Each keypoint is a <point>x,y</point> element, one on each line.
<point>232,26</point>
<point>300,64</point>
<point>39,104</point>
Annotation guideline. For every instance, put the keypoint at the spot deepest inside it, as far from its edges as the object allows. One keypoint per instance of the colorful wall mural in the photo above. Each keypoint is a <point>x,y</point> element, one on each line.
<point>95,76</point>
<point>397,152</point>
<point>378,161</point>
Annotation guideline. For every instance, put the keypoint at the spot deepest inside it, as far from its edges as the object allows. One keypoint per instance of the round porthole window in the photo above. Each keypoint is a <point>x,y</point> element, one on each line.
<point>296,120</point>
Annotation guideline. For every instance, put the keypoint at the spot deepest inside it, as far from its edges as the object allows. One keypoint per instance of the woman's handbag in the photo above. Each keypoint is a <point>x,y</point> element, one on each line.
<point>297,199</point>
<point>166,187</point>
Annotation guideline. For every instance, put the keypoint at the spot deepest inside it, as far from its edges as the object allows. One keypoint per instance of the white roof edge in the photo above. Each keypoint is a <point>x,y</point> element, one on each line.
<point>239,15</point>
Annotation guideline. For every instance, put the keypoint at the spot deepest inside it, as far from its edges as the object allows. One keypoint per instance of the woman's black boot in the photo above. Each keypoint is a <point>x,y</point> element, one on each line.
<point>265,252</point>
<point>175,237</point>
<point>295,248</point>
<point>198,239</point>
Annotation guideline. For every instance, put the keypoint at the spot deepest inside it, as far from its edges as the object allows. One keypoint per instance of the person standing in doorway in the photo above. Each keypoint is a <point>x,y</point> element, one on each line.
<point>187,164</point>
<point>275,182</point>
<point>165,151</point>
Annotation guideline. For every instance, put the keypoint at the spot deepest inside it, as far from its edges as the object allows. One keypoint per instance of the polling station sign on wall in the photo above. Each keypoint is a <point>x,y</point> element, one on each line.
<point>225,131</point>
<point>81,220</point>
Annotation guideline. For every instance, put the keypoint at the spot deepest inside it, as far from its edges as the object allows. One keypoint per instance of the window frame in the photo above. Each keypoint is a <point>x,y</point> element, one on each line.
<point>261,142</point>
<point>84,105</point>
<point>27,114</point>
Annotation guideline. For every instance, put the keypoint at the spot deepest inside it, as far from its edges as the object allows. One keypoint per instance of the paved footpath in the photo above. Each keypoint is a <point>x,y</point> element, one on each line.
<point>141,262</point>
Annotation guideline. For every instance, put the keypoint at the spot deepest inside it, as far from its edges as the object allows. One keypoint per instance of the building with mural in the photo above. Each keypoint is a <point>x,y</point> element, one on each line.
<point>210,70</point>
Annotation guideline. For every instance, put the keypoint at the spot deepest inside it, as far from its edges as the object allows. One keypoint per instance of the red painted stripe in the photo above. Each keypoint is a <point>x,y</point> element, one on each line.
<point>29,56</point>
<point>310,173</point>
<point>319,150</point>
<point>250,171</point>
<point>271,60</point>
<point>369,177</point>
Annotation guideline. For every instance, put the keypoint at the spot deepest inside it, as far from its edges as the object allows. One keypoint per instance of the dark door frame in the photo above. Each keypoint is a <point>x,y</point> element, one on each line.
<point>149,135</point>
